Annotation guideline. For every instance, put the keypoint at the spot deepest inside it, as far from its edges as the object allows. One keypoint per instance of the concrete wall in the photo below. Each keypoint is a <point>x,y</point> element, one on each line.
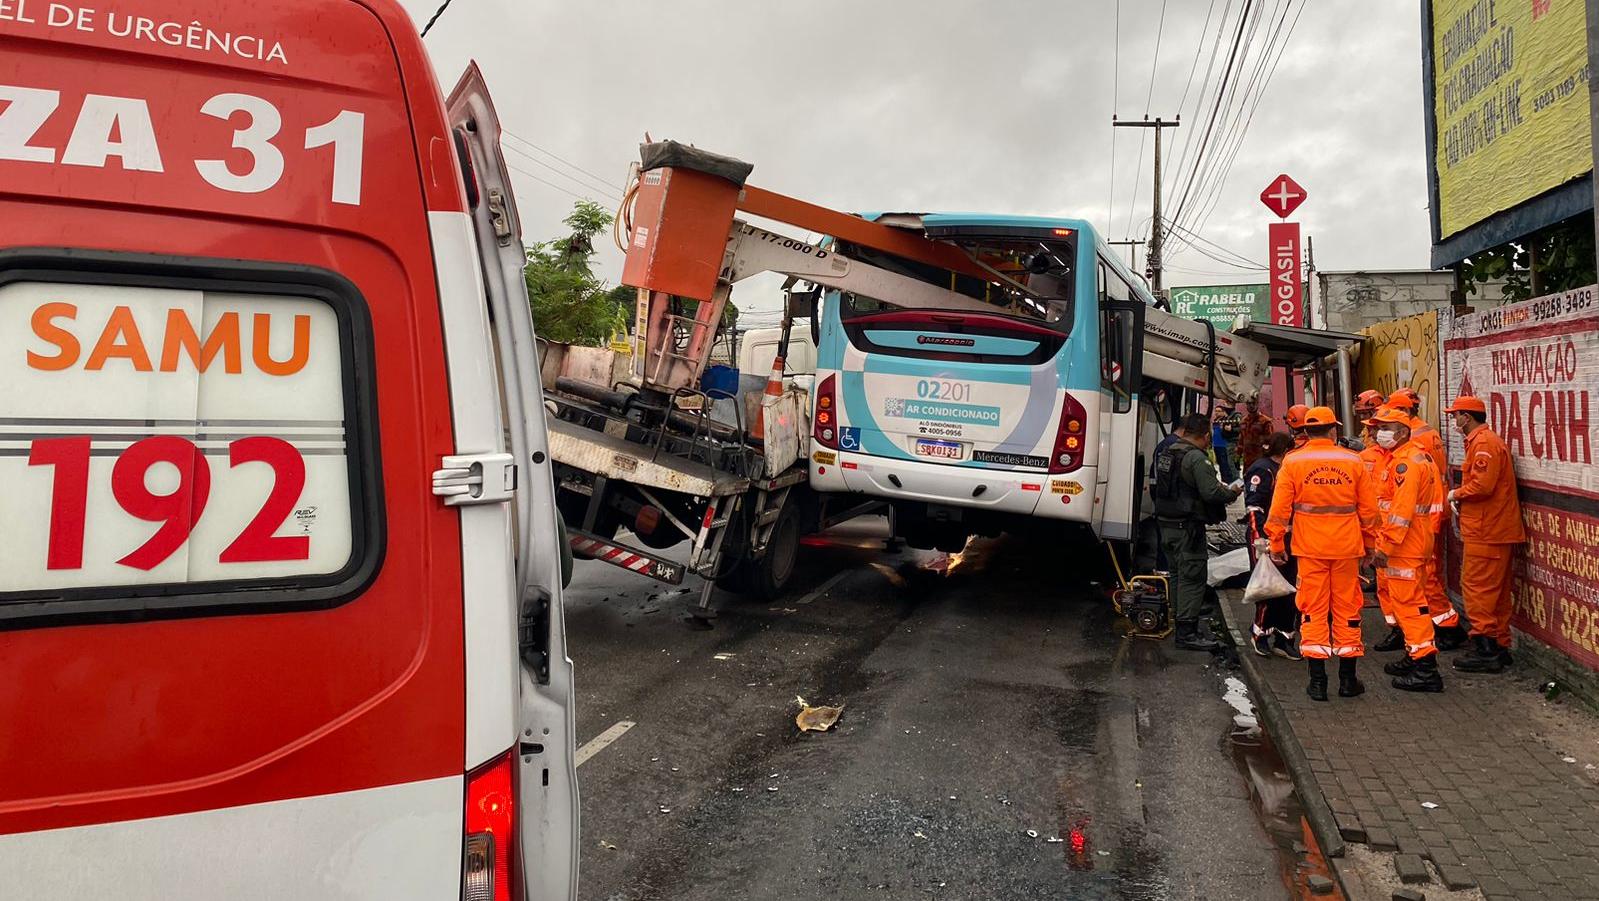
<point>1351,301</point>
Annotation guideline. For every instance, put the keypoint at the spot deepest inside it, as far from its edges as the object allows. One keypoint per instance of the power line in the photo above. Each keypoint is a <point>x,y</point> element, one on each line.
<point>1216,110</point>
<point>436,13</point>
<point>1115,98</point>
<point>553,184</point>
<point>1191,138</point>
<point>1281,49</point>
<point>574,179</point>
<point>609,185</point>
<point>1143,139</point>
<point>1219,166</point>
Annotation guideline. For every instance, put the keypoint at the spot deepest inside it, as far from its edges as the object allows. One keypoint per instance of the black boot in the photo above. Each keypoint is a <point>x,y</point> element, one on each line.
<point>1423,676</point>
<point>1317,689</point>
<point>1348,685</point>
<point>1484,658</point>
<point>1189,638</point>
<point>1393,641</point>
<point>1451,637</point>
<point>1399,667</point>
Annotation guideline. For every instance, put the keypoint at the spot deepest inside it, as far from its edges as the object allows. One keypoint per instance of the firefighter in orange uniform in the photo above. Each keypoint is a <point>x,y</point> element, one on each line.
<point>1295,417</point>
<point>1406,491</point>
<point>1325,495</point>
<point>1446,620</point>
<point>1376,458</point>
<point>1490,528</point>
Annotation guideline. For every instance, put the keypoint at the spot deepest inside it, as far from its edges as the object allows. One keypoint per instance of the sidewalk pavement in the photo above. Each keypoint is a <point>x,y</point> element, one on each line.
<point>1512,776</point>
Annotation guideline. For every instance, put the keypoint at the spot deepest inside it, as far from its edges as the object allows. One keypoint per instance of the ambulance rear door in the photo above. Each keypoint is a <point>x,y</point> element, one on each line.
<point>547,778</point>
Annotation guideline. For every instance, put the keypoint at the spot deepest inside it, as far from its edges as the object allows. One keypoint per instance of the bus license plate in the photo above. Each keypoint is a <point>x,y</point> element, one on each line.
<point>946,450</point>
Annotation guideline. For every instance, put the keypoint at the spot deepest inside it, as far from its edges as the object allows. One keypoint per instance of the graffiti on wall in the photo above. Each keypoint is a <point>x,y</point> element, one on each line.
<point>1402,353</point>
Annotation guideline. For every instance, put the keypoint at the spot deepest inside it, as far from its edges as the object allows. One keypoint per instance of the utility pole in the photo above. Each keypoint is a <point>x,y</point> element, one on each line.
<point>1156,236</point>
<point>1310,284</point>
<point>1132,255</point>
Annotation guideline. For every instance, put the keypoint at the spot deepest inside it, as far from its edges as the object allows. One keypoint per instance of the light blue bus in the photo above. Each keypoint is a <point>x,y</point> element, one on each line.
<point>1018,403</point>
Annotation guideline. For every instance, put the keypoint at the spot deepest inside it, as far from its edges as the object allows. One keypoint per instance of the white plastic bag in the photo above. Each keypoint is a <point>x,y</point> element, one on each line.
<point>1267,582</point>
<point>1222,567</point>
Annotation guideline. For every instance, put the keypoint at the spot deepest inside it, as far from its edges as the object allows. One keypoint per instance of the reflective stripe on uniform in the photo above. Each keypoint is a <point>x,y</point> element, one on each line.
<point>1432,508</point>
<point>1448,616</point>
<point>1417,650</point>
<point>1348,650</point>
<point>1384,504</point>
<point>1324,508</point>
<point>1399,521</point>
<point>1399,572</point>
<point>1311,650</point>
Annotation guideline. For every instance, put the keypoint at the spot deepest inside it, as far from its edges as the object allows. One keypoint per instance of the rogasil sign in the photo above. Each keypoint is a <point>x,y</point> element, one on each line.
<point>1287,283</point>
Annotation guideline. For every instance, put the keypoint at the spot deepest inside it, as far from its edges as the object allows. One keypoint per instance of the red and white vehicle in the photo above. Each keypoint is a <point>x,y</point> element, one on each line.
<point>280,574</point>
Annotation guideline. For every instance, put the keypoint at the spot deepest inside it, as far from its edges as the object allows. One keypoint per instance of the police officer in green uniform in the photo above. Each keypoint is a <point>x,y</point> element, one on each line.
<point>1188,496</point>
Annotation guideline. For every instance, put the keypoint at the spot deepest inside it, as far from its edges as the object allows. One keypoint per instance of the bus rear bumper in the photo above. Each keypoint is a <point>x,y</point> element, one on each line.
<point>1068,497</point>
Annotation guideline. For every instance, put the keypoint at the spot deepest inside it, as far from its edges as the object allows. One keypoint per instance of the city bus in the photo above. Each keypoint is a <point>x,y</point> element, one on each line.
<point>280,589</point>
<point>1037,400</point>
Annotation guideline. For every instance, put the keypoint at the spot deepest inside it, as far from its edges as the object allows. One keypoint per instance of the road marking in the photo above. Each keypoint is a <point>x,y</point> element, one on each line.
<point>825,587</point>
<point>602,741</point>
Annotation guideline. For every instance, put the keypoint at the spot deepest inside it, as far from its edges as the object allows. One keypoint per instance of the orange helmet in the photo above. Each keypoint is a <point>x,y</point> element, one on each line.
<point>1369,398</point>
<point>1321,416</point>
<point>1465,403</point>
<point>1295,417</point>
<point>1389,415</point>
<point>1404,399</point>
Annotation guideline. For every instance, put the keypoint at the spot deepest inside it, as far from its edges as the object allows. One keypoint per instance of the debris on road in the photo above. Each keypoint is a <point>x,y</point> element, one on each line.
<point>1032,833</point>
<point>1054,840</point>
<point>816,719</point>
<point>1429,805</point>
<point>723,656</point>
<point>665,809</point>
<point>607,845</point>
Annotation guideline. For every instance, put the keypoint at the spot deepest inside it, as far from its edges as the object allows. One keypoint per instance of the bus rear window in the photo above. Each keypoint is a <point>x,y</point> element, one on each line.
<point>185,440</point>
<point>1033,278</point>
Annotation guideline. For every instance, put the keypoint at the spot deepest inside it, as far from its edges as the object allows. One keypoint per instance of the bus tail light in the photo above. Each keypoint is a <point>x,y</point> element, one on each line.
<point>487,872</point>
<point>824,428</point>
<point>1070,438</point>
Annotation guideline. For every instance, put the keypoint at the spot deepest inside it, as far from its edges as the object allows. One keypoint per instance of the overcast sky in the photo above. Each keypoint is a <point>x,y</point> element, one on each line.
<point>994,107</point>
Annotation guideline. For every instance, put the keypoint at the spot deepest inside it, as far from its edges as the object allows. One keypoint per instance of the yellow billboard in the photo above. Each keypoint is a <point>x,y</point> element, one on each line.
<point>1402,353</point>
<point>1510,104</point>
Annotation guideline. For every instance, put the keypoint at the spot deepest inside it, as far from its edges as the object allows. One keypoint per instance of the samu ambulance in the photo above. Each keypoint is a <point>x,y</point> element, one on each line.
<point>280,600</point>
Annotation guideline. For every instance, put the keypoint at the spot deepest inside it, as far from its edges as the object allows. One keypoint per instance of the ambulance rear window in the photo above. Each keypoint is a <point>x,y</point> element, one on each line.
<point>182,438</point>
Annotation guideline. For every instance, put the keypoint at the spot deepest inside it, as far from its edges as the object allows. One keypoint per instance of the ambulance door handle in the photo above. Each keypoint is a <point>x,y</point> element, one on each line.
<point>469,479</point>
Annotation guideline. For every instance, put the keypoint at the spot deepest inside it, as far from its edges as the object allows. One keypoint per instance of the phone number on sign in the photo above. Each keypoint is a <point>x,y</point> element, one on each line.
<point>1543,309</point>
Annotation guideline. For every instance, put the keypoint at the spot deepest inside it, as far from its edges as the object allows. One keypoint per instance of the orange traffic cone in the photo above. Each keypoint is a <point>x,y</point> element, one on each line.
<point>774,388</point>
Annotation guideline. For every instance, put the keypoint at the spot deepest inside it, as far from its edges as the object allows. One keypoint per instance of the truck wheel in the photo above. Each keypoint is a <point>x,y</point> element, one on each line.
<point>572,506</point>
<point>769,575</point>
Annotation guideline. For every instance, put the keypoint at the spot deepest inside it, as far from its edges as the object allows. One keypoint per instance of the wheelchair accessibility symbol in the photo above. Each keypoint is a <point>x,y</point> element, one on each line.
<point>849,438</point>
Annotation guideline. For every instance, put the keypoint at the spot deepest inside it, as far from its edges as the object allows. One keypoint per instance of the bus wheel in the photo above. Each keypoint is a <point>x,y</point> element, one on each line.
<point>769,575</point>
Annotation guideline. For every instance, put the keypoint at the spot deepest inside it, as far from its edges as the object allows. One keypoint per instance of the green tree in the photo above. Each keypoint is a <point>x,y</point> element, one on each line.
<point>1564,257</point>
<point>569,302</point>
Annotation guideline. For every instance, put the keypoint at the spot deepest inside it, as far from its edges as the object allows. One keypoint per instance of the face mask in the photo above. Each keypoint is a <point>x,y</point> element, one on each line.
<point>1386,439</point>
<point>1300,438</point>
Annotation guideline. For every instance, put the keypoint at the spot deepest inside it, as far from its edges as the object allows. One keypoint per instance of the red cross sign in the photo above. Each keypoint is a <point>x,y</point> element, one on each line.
<point>1283,196</point>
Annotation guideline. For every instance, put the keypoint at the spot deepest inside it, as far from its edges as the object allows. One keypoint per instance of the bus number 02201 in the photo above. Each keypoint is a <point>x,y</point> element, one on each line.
<point>941,389</point>
<point>178,511</point>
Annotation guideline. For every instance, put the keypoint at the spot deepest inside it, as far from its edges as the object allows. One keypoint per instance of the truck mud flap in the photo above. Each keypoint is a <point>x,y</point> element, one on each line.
<point>628,558</point>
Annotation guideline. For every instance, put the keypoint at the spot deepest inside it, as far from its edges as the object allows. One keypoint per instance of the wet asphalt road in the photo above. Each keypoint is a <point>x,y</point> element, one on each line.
<point>985,696</point>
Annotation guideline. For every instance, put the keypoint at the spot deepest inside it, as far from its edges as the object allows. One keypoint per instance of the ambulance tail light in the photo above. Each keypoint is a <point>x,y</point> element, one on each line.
<point>824,427</point>
<point>1071,437</point>
<point>488,871</point>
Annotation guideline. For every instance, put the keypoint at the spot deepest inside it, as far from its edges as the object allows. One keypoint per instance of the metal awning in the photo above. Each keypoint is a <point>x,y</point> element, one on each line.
<point>1296,347</point>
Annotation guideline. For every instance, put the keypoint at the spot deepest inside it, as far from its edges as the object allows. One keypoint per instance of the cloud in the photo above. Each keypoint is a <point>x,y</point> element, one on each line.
<point>955,106</point>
